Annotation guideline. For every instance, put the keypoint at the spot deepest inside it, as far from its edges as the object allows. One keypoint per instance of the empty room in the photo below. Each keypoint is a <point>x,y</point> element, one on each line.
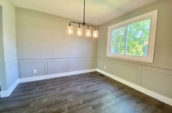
<point>85,56</point>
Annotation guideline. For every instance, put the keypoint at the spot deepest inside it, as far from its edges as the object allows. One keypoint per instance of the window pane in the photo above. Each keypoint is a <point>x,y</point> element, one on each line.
<point>118,41</point>
<point>138,38</point>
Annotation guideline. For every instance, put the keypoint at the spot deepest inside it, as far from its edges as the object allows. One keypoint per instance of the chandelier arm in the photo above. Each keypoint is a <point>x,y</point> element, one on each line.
<point>80,23</point>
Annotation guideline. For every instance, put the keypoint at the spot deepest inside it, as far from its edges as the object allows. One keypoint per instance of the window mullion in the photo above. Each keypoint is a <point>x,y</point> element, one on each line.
<point>126,40</point>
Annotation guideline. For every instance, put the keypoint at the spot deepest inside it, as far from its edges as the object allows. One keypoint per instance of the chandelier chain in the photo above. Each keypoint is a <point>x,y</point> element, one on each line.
<point>84,14</point>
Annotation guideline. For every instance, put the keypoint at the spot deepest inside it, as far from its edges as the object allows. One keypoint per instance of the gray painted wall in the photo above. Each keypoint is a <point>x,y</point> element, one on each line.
<point>156,76</point>
<point>8,40</point>
<point>43,44</point>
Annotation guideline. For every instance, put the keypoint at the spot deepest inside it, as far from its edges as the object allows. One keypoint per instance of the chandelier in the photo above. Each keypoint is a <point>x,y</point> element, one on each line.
<point>90,31</point>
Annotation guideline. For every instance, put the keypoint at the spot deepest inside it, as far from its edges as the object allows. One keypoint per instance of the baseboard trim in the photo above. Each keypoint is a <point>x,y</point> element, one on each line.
<point>44,77</point>
<point>8,92</point>
<point>138,88</point>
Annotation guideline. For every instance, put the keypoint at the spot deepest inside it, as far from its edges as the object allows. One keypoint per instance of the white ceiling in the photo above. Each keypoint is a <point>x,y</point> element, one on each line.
<point>97,11</point>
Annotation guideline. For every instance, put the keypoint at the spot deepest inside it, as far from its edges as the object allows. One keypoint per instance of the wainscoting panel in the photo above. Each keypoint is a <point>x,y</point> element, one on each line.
<point>125,71</point>
<point>57,66</point>
<point>82,64</point>
<point>152,78</point>
<point>160,82</point>
<point>48,66</point>
<point>28,66</point>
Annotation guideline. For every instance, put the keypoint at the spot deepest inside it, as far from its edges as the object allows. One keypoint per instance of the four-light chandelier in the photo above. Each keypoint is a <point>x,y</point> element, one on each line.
<point>90,31</point>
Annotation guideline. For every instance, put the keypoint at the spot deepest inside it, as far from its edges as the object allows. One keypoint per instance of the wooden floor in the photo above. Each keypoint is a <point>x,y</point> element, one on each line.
<point>86,93</point>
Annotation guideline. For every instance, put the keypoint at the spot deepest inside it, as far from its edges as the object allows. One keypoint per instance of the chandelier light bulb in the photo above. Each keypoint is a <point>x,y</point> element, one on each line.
<point>95,34</point>
<point>79,31</point>
<point>88,32</point>
<point>70,29</point>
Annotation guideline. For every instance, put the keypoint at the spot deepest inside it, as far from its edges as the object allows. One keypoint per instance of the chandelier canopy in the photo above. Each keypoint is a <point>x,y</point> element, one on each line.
<point>90,31</point>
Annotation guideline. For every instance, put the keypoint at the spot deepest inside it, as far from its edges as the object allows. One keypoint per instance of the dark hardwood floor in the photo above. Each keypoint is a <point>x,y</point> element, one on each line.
<point>86,93</point>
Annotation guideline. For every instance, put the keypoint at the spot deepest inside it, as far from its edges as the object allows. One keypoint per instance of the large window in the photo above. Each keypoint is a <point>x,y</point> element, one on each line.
<point>133,39</point>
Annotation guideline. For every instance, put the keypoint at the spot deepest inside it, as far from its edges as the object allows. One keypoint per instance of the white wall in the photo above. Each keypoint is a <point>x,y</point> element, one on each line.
<point>9,44</point>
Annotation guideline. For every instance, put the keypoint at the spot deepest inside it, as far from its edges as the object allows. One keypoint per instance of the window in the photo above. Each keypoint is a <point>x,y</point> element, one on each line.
<point>133,39</point>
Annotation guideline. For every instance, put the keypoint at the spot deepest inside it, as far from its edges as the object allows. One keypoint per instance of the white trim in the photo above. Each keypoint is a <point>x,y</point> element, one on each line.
<point>7,93</point>
<point>150,15</point>
<point>44,77</point>
<point>155,95</point>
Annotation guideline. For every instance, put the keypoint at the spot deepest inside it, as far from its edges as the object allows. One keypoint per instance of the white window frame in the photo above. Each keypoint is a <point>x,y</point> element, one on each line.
<point>153,17</point>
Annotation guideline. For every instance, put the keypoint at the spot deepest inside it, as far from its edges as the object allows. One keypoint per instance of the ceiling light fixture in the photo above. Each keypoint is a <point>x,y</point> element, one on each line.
<point>79,31</point>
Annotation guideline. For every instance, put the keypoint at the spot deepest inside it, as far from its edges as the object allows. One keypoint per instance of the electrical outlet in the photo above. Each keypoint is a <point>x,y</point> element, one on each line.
<point>35,71</point>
